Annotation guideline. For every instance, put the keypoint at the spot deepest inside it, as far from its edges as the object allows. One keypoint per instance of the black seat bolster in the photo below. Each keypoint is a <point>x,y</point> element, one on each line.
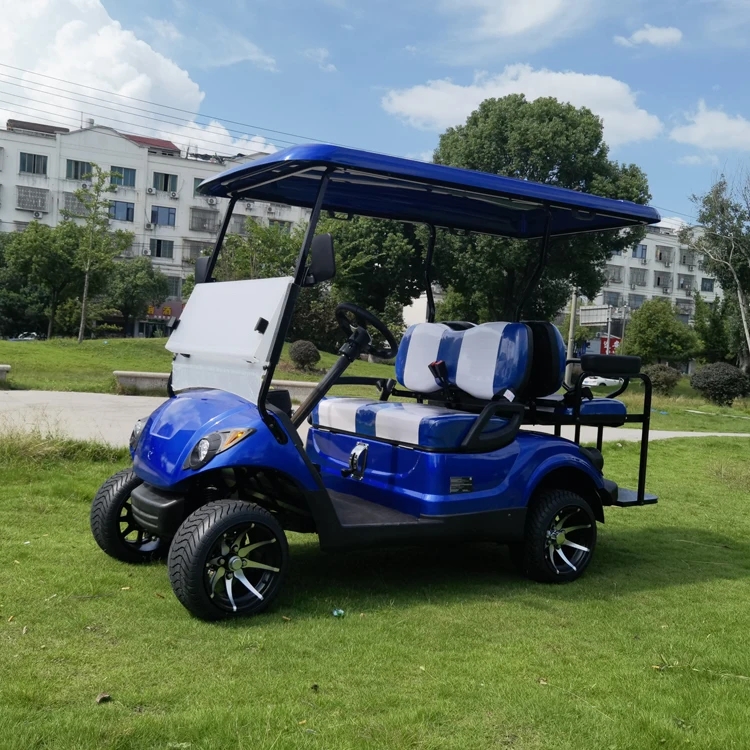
<point>618,365</point>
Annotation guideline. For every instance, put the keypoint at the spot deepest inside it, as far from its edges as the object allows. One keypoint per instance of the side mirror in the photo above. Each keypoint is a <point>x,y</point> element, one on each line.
<point>201,269</point>
<point>322,260</point>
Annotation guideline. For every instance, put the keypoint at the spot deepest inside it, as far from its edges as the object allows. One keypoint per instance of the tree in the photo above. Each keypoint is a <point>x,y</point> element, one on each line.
<point>22,306</point>
<point>723,239</point>
<point>545,141</point>
<point>98,246</point>
<point>655,333</point>
<point>711,326</point>
<point>45,257</point>
<point>134,285</point>
<point>581,335</point>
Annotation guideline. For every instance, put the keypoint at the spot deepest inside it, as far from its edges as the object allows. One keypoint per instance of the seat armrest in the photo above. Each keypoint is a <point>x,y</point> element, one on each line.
<point>475,442</point>
<point>616,365</point>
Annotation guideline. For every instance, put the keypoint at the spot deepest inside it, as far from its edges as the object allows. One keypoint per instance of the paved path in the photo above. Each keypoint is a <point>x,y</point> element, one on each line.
<point>108,418</point>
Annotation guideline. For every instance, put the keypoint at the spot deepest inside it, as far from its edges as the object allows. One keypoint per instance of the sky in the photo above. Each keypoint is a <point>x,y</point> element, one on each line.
<point>668,77</point>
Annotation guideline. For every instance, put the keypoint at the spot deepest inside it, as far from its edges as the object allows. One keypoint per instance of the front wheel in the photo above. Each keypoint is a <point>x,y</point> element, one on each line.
<point>114,527</point>
<point>228,559</point>
<point>560,538</point>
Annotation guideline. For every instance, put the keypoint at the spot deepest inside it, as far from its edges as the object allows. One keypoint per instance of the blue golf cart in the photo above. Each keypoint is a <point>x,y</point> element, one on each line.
<point>445,450</point>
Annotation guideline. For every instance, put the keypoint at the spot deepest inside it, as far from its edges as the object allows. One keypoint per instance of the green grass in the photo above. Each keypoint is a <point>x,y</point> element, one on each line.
<point>440,648</point>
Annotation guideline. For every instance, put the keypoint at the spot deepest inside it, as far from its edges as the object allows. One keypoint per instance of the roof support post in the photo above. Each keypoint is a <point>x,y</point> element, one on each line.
<point>539,268</point>
<point>428,275</point>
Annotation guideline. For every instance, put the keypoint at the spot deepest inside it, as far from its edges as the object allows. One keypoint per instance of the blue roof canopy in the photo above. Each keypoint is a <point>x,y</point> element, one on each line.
<point>390,187</point>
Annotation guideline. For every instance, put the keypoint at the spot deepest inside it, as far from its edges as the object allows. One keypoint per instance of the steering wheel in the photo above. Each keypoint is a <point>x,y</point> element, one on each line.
<point>350,317</point>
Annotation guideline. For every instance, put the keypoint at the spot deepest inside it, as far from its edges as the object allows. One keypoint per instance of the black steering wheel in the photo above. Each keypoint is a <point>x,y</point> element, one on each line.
<point>350,317</point>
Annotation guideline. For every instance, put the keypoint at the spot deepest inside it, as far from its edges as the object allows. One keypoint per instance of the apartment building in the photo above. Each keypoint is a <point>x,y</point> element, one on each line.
<point>41,166</point>
<point>658,266</point>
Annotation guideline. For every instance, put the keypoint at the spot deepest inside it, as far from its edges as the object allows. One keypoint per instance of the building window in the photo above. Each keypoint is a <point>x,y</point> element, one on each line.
<point>238,225</point>
<point>174,287</point>
<point>77,170</point>
<point>636,300</point>
<point>72,206</point>
<point>707,285</point>
<point>613,274</point>
<point>31,199</point>
<point>121,211</point>
<point>163,215</point>
<point>196,182</point>
<point>165,182</point>
<point>161,248</point>
<point>640,251</point>
<point>284,226</point>
<point>195,249</point>
<point>664,254</point>
<point>663,280</point>
<point>638,276</point>
<point>33,164</point>
<point>685,282</point>
<point>123,176</point>
<point>612,299</point>
<point>204,220</point>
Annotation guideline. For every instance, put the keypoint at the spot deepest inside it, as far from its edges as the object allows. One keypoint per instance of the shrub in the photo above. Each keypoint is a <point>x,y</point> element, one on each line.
<point>304,354</point>
<point>663,377</point>
<point>721,383</point>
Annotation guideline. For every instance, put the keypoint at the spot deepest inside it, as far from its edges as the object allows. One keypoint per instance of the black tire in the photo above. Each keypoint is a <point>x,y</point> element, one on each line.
<point>113,526</point>
<point>560,538</point>
<point>206,549</point>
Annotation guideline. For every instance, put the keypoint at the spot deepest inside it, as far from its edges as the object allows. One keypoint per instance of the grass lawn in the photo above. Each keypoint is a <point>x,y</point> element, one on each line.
<point>439,648</point>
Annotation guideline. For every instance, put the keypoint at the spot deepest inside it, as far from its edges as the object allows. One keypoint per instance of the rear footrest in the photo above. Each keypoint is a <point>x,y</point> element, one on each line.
<point>629,498</point>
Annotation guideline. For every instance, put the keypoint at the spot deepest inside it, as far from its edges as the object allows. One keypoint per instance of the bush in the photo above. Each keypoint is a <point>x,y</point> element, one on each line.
<point>721,383</point>
<point>304,354</point>
<point>663,377</point>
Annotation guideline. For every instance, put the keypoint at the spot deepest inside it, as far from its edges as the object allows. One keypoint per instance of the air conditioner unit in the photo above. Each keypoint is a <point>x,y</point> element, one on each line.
<point>249,206</point>
<point>687,287</point>
<point>173,194</point>
<point>644,261</point>
<point>38,214</point>
<point>690,268</point>
<point>632,286</point>
<point>146,251</point>
<point>148,225</point>
<point>606,282</point>
<point>85,186</point>
<point>665,290</point>
<point>150,191</point>
<point>667,263</point>
<point>211,201</point>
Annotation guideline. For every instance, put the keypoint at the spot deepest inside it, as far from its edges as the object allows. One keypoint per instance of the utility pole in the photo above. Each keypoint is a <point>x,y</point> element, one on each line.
<point>609,328</point>
<point>571,338</point>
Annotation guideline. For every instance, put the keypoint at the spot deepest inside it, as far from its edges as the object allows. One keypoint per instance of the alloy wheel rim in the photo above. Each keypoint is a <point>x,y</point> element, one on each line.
<point>243,566</point>
<point>132,534</point>
<point>569,540</point>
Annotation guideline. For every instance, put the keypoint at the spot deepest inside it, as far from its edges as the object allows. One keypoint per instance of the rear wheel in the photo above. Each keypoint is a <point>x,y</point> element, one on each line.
<point>114,527</point>
<point>228,559</point>
<point>560,538</point>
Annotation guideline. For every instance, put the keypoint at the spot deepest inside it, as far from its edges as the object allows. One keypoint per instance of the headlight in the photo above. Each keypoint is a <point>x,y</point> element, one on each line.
<point>135,435</point>
<point>211,445</point>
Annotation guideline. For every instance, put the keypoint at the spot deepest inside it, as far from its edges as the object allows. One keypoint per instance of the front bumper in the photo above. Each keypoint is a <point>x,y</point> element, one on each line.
<point>158,511</point>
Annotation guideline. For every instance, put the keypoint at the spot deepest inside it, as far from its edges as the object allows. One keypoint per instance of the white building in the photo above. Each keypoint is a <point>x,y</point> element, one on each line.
<point>41,166</point>
<point>659,266</point>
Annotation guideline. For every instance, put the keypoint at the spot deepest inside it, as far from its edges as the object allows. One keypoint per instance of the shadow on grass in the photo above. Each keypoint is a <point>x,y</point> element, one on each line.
<point>626,561</point>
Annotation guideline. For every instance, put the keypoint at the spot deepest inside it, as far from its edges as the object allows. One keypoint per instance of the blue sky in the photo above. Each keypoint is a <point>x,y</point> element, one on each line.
<point>667,77</point>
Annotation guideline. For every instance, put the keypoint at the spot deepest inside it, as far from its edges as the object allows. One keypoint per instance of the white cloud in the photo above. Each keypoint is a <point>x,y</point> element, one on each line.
<point>713,129</point>
<point>229,48</point>
<point>347,27</point>
<point>77,41</point>
<point>321,56</point>
<point>659,36</point>
<point>697,160</point>
<point>439,104</point>
<point>164,29</point>
<point>422,156</point>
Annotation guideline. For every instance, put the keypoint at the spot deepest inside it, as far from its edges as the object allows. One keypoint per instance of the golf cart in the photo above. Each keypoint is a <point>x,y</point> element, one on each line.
<point>437,454</point>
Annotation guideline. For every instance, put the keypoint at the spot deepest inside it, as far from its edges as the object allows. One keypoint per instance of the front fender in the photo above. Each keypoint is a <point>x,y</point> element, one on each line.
<point>177,425</point>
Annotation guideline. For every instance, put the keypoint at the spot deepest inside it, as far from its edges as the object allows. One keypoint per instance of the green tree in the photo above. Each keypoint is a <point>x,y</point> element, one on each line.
<point>723,239</point>
<point>549,142</point>
<point>98,246</point>
<point>45,257</point>
<point>655,333</point>
<point>134,285</point>
<point>581,335</point>
<point>711,325</point>
<point>22,305</point>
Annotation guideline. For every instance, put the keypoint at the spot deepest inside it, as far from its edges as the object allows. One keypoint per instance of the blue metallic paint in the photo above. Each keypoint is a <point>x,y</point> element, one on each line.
<point>177,425</point>
<point>418,482</point>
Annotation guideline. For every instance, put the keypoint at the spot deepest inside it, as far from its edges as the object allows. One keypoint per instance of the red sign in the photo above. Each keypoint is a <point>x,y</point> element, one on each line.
<point>614,345</point>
